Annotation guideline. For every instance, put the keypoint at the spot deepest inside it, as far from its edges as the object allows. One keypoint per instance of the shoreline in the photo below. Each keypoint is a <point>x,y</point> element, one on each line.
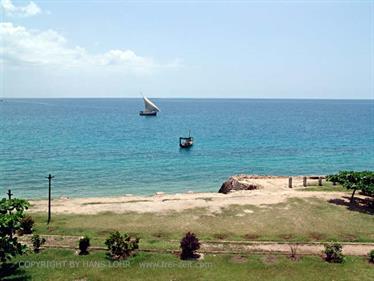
<point>257,178</point>
<point>273,190</point>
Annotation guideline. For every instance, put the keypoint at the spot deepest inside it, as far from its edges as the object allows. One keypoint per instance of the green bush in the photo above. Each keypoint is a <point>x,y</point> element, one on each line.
<point>333,252</point>
<point>371,256</point>
<point>333,178</point>
<point>37,242</point>
<point>84,243</point>
<point>121,246</point>
<point>11,214</point>
<point>27,224</point>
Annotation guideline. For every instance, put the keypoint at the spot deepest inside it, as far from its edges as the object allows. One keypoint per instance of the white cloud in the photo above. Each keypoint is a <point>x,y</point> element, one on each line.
<point>29,10</point>
<point>22,46</point>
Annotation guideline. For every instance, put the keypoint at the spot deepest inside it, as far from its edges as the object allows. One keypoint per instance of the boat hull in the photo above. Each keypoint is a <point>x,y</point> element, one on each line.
<point>185,145</point>
<point>145,113</point>
<point>185,142</point>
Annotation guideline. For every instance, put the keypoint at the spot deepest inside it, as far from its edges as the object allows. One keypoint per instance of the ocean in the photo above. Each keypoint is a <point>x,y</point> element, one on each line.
<point>102,147</point>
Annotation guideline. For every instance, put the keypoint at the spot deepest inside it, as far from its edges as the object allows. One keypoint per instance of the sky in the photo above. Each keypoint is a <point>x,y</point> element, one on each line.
<point>187,49</point>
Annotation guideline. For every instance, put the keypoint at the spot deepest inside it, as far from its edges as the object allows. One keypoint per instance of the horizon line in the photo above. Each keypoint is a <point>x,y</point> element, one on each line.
<point>197,98</point>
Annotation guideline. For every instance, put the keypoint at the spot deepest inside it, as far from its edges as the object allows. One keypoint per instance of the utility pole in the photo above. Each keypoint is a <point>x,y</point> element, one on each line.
<point>50,177</point>
<point>10,212</point>
<point>9,194</point>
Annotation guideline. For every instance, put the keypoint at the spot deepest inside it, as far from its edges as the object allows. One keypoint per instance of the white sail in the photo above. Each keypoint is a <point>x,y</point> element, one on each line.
<point>150,106</point>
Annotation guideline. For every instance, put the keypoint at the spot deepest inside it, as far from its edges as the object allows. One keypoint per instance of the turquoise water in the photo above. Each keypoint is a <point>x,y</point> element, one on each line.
<point>103,147</point>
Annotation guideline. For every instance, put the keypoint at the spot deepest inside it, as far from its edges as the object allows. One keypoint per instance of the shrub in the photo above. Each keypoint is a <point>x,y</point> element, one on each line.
<point>121,246</point>
<point>333,178</point>
<point>84,243</point>
<point>333,252</point>
<point>37,242</point>
<point>27,224</point>
<point>11,214</point>
<point>371,256</point>
<point>189,244</point>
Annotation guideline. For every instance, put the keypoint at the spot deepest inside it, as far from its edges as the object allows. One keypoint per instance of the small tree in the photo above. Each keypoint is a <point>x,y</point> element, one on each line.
<point>37,242</point>
<point>189,244</point>
<point>84,243</point>
<point>11,214</point>
<point>363,181</point>
<point>334,253</point>
<point>294,249</point>
<point>121,246</point>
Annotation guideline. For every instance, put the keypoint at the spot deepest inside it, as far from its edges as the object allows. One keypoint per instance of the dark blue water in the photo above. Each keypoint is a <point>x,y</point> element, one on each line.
<point>103,147</point>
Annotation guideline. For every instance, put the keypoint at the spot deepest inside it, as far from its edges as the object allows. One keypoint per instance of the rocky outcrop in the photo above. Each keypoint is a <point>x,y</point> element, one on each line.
<point>238,182</point>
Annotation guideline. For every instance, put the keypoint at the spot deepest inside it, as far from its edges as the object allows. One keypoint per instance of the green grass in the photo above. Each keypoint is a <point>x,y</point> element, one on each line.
<point>294,220</point>
<point>168,267</point>
<point>327,186</point>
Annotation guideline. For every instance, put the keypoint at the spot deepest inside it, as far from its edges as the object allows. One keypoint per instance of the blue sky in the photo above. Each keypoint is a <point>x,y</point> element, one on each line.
<point>245,49</point>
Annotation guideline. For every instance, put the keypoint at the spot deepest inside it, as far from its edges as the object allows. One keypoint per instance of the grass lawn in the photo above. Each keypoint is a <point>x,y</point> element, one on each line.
<point>327,186</point>
<point>64,265</point>
<point>295,220</point>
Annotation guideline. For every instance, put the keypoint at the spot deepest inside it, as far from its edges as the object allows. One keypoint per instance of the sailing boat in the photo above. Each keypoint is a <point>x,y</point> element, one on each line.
<point>150,108</point>
<point>186,142</point>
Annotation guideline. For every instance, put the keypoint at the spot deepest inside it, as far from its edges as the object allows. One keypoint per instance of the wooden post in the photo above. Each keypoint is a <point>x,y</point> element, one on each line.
<point>320,181</point>
<point>290,182</point>
<point>9,194</point>
<point>50,177</point>
<point>304,181</point>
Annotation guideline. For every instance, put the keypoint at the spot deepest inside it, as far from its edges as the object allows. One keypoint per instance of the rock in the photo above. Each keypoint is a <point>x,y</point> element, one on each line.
<point>239,182</point>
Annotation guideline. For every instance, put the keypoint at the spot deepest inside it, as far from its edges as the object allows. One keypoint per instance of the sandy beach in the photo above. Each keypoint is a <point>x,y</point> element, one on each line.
<point>273,190</point>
